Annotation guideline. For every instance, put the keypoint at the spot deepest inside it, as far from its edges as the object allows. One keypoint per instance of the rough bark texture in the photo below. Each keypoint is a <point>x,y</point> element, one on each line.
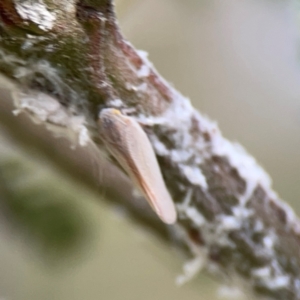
<point>70,61</point>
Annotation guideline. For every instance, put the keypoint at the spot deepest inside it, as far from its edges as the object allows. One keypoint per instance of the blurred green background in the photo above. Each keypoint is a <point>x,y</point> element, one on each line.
<point>238,61</point>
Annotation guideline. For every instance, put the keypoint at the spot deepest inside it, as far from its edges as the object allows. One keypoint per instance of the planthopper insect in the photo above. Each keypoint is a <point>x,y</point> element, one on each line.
<point>130,146</point>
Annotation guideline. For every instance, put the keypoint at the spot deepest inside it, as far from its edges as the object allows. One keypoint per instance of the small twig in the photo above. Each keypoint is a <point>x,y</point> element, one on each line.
<point>227,209</point>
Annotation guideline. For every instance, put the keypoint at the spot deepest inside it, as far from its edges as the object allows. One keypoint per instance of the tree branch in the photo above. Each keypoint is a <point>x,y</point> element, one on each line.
<point>71,60</point>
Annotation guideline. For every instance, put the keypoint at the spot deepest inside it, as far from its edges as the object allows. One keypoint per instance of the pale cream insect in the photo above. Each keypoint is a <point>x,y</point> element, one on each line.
<point>130,146</point>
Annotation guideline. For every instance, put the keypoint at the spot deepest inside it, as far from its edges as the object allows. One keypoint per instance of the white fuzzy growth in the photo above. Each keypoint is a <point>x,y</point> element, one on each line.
<point>194,175</point>
<point>83,134</point>
<point>179,156</point>
<point>245,165</point>
<point>36,13</point>
<point>42,67</point>
<point>186,201</point>
<point>146,67</point>
<point>194,214</point>
<point>185,210</point>
<point>144,71</point>
<point>144,56</point>
<point>278,282</point>
<point>269,241</point>
<point>116,103</point>
<point>31,40</point>
<point>190,269</point>
<point>292,223</point>
<point>228,223</point>
<point>242,213</point>
<point>219,232</point>
<point>45,109</point>
<point>181,112</point>
<point>258,226</point>
<point>7,58</point>
<point>159,147</point>
<point>142,88</point>
<point>272,277</point>
<point>262,272</point>
<point>27,45</point>
<point>41,106</point>
<point>230,292</point>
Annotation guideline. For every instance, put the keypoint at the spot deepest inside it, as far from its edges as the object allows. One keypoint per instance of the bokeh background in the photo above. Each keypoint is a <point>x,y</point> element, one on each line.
<point>238,62</point>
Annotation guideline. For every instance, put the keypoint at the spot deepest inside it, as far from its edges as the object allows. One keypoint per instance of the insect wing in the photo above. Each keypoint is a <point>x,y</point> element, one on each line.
<point>130,146</point>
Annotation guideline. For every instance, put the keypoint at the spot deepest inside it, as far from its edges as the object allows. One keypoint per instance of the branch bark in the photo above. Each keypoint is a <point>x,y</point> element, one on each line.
<point>70,61</point>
